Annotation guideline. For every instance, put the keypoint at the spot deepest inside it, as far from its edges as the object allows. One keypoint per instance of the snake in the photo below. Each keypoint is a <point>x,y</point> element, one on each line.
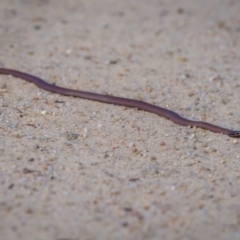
<point>127,102</point>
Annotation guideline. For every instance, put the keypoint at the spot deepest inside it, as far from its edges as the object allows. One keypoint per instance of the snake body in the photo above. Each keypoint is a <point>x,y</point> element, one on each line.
<point>163,112</point>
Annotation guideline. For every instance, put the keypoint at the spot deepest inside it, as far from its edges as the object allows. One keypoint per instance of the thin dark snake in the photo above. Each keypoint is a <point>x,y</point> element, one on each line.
<point>174,117</point>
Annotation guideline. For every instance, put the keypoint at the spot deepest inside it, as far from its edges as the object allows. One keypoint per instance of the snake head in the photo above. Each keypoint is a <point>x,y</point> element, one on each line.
<point>235,134</point>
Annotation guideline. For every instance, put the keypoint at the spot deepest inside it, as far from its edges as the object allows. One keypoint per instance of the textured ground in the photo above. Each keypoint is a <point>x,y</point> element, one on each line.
<point>75,169</point>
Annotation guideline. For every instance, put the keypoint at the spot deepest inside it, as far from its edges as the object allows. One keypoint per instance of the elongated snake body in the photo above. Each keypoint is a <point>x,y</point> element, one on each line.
<point>163,112</point>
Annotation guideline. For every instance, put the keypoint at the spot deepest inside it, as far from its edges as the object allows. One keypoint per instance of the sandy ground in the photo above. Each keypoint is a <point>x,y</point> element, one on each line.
<point>74,169</point>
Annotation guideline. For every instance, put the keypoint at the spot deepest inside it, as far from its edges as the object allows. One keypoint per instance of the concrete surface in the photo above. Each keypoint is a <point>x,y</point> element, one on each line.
<point>74,169</point>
